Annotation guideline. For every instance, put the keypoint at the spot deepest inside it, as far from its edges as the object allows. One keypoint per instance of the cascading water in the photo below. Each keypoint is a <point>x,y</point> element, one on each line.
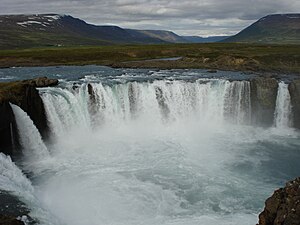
<point>15,183</point>
<point>30,138</point>
<point>159,151</point>
<point>283,110</point>
<point>12,179</point>
<point>213,100</point>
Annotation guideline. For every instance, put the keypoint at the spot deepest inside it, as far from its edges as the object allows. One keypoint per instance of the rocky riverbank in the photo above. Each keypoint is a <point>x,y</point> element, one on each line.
<point>283,207</point>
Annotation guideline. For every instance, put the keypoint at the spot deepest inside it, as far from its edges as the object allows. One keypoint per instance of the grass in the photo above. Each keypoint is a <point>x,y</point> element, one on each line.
<point>228,56</point>
<point>11,91</point>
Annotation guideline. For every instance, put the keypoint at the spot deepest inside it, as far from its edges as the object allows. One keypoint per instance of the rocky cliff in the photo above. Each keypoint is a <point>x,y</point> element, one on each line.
<point>294,89</point>
<point>263,100</point>
<point>283,207</point>
<point>25,95</point>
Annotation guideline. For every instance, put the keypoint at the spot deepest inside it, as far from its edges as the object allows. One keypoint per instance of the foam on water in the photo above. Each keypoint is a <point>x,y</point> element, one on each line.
<point>163,175</point>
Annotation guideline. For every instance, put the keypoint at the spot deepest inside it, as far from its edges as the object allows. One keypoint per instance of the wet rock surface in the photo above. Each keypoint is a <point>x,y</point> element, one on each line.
<point>294,89</point>
<point>283,207</point>
<point>263,100</point>
<point>8,129</point>
<point>13,211</point>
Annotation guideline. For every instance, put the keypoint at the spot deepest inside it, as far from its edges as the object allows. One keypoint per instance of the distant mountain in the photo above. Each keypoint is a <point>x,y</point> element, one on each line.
<point>41,30</point>
<point>277,28</point>
<point>197,39</point>
<point>163,35</point>
<point>21,31</point>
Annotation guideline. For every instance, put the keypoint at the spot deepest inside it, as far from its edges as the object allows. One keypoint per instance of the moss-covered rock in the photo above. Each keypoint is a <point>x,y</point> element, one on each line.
<point>14,91</point>
<point>25,95</point>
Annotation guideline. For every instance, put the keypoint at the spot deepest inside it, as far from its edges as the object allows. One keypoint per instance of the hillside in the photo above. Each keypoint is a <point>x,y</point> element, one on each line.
<point>42,30</point>
<point>278,28</point>
<point>166,36</point>
<point>25,31</point>
<point>197,39</point>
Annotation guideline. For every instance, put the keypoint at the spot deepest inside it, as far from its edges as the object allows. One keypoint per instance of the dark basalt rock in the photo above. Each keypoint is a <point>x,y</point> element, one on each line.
<point>263,100</point>
<point>34,106</point>
<point>12,210</point>
<point>9,220</point>
<point>283,207</point>
<point>8,129</point>
<point>92,97</point>
<point>25,95</point>
<point>294,89</point>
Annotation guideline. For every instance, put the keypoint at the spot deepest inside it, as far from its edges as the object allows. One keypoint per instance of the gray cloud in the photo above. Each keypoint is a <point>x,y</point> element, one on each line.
<point>193,17</point>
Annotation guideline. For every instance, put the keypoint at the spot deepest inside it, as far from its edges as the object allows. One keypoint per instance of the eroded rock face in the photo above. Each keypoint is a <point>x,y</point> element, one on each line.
<point>25,95</point>
<point>283,207</point>
<point>263,100</point>
<point>33,104</point>
<point>294,89</point>
<point>8,130</point>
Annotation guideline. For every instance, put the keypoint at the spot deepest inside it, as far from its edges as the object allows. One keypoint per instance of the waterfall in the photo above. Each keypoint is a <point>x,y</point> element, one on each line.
<point>66,109</point>
<point>213,100</point>
<point>283,110</point>
<point>12,179</point>
<point>238,102</point>
<point>30,138</point>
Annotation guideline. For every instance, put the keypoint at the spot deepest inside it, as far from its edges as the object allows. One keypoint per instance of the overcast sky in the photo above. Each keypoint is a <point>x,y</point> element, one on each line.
<point>193,17</point>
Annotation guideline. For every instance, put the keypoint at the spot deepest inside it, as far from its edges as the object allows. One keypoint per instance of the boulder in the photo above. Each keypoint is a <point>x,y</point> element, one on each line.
<point>294,89</point>
<point>283,207</point>
<point>263,100</point>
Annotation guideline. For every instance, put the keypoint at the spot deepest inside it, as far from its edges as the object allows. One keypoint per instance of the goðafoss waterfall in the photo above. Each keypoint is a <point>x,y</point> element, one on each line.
<point>155,152</point>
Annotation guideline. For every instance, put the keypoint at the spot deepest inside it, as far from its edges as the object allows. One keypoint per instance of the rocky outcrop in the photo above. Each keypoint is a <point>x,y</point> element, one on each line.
<point>294,89</point>
<point>25,95</point>
<point>13,211</point>
<point>263,100</point>
<point>283,207</point>
<point>10,220</point>
<point>42,82</point>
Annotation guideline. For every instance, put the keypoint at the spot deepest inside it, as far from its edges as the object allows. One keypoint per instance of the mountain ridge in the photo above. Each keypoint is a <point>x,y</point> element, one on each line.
<point>274,28</point>
<point>42,30</point>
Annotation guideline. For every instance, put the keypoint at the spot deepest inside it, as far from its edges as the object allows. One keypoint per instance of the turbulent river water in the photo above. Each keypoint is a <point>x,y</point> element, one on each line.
<point>141,147</point>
